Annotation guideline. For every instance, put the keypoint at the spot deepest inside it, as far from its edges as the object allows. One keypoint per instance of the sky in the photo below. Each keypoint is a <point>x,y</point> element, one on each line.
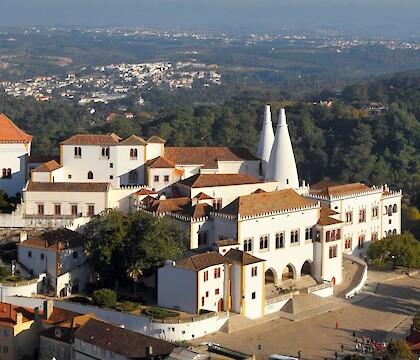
<point>386,17</point>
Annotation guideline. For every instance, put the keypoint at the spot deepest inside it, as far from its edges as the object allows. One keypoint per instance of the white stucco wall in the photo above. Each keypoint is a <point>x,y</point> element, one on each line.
<point>14,157</point>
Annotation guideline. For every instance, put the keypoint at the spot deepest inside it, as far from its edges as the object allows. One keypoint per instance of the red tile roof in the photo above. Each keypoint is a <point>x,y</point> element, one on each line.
<point>210,180</point>
<point>145,191</point>
<point>48,166</point>
<point>67,187</point>
<point>325,217</point>
<point>206,156</point>
<point>262,203</point>
<point>65,238</point>
<point>8,314</point>
<point>10,133</point>
<point>160,163</point>
<point>133,140</point>
<point>155,140</point>
<point>241,257</point>
<point>89,139</point>
<point>201,261</point>
<point>202,196</point>
<point>338,190</point>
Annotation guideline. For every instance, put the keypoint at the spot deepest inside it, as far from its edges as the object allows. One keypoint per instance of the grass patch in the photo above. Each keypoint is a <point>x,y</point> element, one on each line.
<point>160,313</point>
<point>126,306</point>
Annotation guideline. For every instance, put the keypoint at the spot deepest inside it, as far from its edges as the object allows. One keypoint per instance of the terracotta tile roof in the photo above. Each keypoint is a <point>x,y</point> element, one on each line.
<point>325,217</point>
<point>66,239</point>
<point>121,341</point>
<point>48,166</point>
<point>320,185</point>
<point>259,191</point>
<point>261,203</point>
<point>145,191</point>
<point>8,313</point>
<point>59,316</point>
<point>133,140</point>
<point>10,133</point>
<point>198,211</point>
<point>160,163</point>
<point>337,190</point>
<point>155,140</point>
<point>68,187</point>
<point>226,242</point>
<point>206,156</point>
<point>168,205</point>
<point>211,180</point>
<point>242,257</point>
<point>201,261</point>
<point>89,139</point>
<point>202,196</point>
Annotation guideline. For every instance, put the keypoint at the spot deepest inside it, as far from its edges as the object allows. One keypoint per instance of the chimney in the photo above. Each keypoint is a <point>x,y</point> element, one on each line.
<point>149,352</point>
<point>23,236</point>
<point>19,318</point>
<point>48,309</point>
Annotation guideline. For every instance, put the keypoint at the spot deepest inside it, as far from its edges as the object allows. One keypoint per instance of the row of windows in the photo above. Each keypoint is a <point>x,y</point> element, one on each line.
<point>217,274</point>
<point>216,292</point>
<point>133,176</point>
<point>333,235</point>
<point>156,178</point>
<point>6,173</point>
<point>279,240</point>
<point>74,210</point>
<point>42,256</point>
<point>361,239</point>
<point>375,213</point>
<point>104,153</point>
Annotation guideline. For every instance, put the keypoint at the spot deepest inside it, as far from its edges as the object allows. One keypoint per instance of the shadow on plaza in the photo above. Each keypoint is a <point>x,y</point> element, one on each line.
<point>402,300</point>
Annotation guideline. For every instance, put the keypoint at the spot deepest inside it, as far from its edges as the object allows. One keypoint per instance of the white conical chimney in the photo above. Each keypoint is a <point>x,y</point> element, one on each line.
<point>282,164</point>
<point>266,140</point>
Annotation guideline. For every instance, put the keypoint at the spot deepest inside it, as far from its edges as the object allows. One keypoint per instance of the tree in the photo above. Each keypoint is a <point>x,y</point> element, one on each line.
<point>403,250</point>
<point>134,273</point>
<point>139,241</point>
<point>399,350</point>
<point>105,298</point>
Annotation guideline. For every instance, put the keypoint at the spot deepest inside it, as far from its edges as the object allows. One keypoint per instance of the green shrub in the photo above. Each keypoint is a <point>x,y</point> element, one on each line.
<point>105,298</point>
<point>160,313</point>
<point>126,306</point>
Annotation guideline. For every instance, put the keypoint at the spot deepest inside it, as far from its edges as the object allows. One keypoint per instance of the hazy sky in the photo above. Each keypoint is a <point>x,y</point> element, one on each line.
<point>390,16</point>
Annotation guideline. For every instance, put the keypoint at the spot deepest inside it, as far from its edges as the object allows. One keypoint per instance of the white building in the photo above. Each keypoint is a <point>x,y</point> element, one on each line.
<point>15,147</point>
<point>59,254</point>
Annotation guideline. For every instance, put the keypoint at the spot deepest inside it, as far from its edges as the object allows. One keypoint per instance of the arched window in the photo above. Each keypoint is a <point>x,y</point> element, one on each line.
<point>394,208</point>
<point>90,175</point>
<point>133,154</point>
<point>4,173</point>
<point>389,210</point>
<point>77,152</point>
<point>394,232</point>
<point>105,152</point>
<point>9,173</point>
<point>386,209</point>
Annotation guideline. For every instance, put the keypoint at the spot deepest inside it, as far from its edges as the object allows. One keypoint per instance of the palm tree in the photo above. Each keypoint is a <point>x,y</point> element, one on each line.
<point>134,272</point>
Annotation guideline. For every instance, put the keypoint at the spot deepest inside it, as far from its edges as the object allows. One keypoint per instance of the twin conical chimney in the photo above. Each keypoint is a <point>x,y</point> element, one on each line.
<point>266,140</point>
<point>282,165</point>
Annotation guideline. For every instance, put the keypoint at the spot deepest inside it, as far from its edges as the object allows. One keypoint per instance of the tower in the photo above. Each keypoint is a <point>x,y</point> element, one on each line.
<point>266,140</point>
<point>282,164</point>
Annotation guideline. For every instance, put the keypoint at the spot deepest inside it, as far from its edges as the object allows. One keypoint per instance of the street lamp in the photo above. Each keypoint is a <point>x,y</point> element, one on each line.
<point>394,261</point>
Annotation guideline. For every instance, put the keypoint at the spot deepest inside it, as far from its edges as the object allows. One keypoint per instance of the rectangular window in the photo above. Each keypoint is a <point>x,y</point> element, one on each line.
<point>156,178</point>
<point>347,243</point>
<point>280,240</point>
<point>202,238</point>
<point>74,210</point>
<point>111,177</point>
<point>216,292</point>
<point>294,237</point>
<point>254,271</point>
<point>361,241</point>
<point>166,178</point>
<point>40,209</point>
<point>375,212</point>
<point>264,242</point>
<point>362,215</point>
<point>42,256</point>
<point>253,295</point>
<point>217,204</point>
<point>29,254</point>
<point>111,165</point>
<point>308,234</point>
<point>57,209</point>
<point>91,210</point>
<point>202,301</point>
<point>374,236</point>
<point>338,234</point>
<point>333,251</point>
<point>69,176</point>
<point>217,273</point>
<point>206,275</point>
<point>349,217</point>
<point>328,236</point>
<point>207,294</point>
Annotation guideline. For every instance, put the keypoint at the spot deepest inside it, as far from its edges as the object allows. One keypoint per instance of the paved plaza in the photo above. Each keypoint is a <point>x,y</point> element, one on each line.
<point>384,314</point>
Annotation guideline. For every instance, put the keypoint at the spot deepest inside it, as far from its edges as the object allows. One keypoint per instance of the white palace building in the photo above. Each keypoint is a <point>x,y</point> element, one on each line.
<point>248,218</point>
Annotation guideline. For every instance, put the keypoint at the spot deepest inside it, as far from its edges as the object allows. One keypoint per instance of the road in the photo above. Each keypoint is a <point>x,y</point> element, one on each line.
<point>389,310</point>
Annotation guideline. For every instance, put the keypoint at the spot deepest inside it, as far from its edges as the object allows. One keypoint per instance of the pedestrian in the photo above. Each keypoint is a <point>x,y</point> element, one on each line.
<point>336,324</point>
<point>342,347</point>
<point>299,354</point>
<point>336,355</point>
<point>354,335</point>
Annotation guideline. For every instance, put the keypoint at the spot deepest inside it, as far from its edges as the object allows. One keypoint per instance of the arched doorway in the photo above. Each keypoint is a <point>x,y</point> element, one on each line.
<point>333,281</point>
<point>306,268</point>
<point>220,305</point>
<point>270,277</point>
<point>288,273</point>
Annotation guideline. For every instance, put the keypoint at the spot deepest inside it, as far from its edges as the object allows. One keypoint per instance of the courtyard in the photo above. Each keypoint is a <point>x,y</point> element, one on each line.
<point>385,314</point>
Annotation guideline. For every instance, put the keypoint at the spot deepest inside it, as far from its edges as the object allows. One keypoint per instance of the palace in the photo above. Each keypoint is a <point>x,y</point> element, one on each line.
<point>248,219</point>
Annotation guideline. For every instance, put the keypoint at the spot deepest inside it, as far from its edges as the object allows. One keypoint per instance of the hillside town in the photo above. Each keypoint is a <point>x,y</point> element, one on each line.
<point>102,84</point>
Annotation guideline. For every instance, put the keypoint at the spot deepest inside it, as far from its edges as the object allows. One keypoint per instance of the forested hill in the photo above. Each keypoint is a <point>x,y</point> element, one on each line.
<point>341,142</point>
